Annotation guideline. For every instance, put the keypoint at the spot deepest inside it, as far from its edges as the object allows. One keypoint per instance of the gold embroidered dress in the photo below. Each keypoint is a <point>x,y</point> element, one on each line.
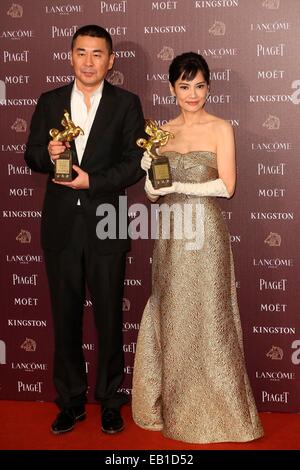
<point>190,379</point>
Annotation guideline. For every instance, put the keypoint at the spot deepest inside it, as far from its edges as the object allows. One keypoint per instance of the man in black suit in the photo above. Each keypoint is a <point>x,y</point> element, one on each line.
<point>106,160</point>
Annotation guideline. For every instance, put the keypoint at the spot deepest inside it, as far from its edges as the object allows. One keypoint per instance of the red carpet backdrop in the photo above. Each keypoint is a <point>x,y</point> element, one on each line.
<point>253,52</point>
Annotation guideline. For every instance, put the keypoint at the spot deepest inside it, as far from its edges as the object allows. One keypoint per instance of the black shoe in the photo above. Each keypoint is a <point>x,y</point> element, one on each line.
<point>66,419</point>
<point>112,421</point>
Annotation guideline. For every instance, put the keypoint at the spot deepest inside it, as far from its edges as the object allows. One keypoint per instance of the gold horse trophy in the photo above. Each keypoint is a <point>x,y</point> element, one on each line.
<point>63,165</point>
<point>159,173</point>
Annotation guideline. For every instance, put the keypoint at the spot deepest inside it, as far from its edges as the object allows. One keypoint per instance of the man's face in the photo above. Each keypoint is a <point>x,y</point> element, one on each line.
<point>91,61</point>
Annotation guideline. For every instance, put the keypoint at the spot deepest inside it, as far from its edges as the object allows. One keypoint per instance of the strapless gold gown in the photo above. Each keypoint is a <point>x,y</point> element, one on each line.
<point>190,379</point>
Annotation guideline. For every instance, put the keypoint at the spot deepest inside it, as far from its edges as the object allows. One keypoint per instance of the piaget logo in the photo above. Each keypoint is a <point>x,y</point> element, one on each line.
<point>166,53</point>
<point>272,122</point>
<point>15,11</point>
<point>217,29</point>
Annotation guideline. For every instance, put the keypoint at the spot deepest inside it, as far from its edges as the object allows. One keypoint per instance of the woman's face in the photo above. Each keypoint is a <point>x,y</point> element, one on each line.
<point>191,95</point>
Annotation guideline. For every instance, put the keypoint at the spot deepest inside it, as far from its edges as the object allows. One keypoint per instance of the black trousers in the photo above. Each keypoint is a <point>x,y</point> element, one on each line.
<point>69,271</point>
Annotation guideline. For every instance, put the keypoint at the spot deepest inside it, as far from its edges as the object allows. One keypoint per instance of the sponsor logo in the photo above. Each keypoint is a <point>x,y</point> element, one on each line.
<point>216,3</point>
<point>275,376</point>
<point>273,263</point>
<point>227,215</point>
<point>113,7</point>
<point>272,215</point>
<point>132,282</point>
<point>296,95</point>
<point>271,192</point>
<point>272,122</point>
<point>117,30</point>
<point>29,366</point>
<point>169,29</point>
<point>21,323</point>
<point>274,330</point>
<point>20,56</point>
<point>88,347</point>
<point>219,53</point>
<point>59,78</point>
<point>270,27</point>
<point>125,54</point>
<point>64,55</point>
<point>26,301</point>
<point>271,4</point>
<point>219,99</point>
<point>127,391</point>
<point>27,387</point>
<point>24,236</point>
<point>57,32</point>
<point>2,352</point>
<point>130,259</point>
<point>166,53</point>
<point>24,259</point>
<point>17,148</point>
<point>15,11</point>
<point>21,214</point>
<point>275,353</point>
<point>21,192</point>
<point>116,78</point>
<point>270,74</point>
<point>17,170</point>
<point>128,370</point>
<point>271,146</point>
<point>273,285</point>
<point>220,75</point>
<point>18,102</point>
<point>20,125</point>
<point>63,9</point>
<point>129,347</point>
<point>275,50</point>
<point>30,280</point>
<point>235,238</point>
<point>129,326</point>
<point>158,100</point>
<point>268,170</point>
<point>273,307</point>
<point>29,345</point>
<point>217,29</point>
<point>17,34</point>
<point>125,305</point>
<point>270,98</point>
<point>273,239</point>
<point>296,354</point>
<point>234,122</point>
<point>274,397</point>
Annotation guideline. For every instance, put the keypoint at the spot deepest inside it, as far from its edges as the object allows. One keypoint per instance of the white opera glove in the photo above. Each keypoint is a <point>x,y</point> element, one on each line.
<point>154,194</point>
<point>209,188</point>
<point>146,161</point>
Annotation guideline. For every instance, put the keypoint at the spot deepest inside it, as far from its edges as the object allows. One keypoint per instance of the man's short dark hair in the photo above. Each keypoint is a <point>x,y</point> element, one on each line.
<point>96,32</point>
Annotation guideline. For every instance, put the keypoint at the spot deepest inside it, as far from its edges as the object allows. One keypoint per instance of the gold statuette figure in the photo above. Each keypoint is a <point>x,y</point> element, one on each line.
<point>63,165</point>
<point>159,173</point>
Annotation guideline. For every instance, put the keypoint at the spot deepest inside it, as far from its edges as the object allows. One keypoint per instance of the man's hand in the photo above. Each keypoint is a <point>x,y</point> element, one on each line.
<point>81,181</point>
<point>56,148</point>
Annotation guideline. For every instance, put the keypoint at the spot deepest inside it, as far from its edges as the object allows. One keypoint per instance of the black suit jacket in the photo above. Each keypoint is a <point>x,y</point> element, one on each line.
<point>111,158</point>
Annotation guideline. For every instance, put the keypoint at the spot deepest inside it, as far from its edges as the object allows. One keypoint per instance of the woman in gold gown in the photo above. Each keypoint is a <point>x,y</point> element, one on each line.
<point>190,379</point>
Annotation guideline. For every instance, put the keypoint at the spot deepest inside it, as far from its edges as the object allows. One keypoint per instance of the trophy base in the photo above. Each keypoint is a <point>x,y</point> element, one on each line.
<point>63,167</point>
<point>160,173</point>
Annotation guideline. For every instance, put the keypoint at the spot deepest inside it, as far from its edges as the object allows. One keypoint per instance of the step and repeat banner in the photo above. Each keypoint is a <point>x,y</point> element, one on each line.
<point>252,49</point>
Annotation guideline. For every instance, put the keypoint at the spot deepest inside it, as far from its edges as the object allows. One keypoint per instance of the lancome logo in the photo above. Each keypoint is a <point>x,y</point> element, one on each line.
<point>273,262</point>
<point>16,148</point>
<point>113,7</point>
<point>162,77</point>
<point>219,53</point>
<point>29,366</point>
<point>270,27</point>
<point>15,11</point>
<point>155,29</point>
<point>216,3</point>
<point>129,326</point>
<point>271,146</point>
<point>17,34</point>
<point>24,259</point>
<point>63,9</point>
<point>275,376</point>
<point>57,32</point>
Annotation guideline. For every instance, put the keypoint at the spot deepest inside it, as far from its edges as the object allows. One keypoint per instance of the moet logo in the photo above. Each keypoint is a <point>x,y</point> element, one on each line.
<point>272,122</point>
<point>275,353</point>
<point>217,29</point>
<point>20,125</point>
<point>166,53</point>
<point>29,345</point>
<point>271,4</point>
<point>2,352</point>
<point>15,11</point>
<point>116,78</point>
<point>273,239</point>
